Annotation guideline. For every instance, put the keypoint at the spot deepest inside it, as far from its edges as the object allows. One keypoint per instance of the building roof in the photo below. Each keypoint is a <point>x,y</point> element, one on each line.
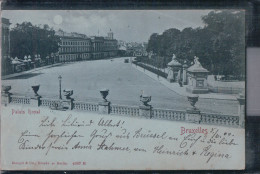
<point>63,34</point>
<point>197,67</point>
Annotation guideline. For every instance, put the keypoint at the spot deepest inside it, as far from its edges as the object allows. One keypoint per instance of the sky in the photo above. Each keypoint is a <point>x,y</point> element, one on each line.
<point>127,25</point>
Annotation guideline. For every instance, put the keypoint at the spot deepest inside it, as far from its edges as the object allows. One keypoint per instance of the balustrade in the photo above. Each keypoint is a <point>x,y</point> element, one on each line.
<point>20,99</point>
<point>80,105</point>
<point>49,102</point>
<point>144,111</point>
<point>219,119</point>
<point>124,110</point>
<point>168,114</point>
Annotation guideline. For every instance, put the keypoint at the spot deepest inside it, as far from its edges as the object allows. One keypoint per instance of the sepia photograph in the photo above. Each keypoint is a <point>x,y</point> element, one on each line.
<point>150,86</point>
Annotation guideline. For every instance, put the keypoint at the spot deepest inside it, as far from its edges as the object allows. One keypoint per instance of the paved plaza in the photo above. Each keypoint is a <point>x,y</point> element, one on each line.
<point>124,82</point>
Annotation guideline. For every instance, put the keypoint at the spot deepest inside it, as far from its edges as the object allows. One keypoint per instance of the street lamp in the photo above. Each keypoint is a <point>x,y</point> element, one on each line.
<point>60,85</point>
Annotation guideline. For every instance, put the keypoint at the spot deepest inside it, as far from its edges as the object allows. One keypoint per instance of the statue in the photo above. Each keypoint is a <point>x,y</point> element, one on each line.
<point>196,61</point>
<point>173,56</point>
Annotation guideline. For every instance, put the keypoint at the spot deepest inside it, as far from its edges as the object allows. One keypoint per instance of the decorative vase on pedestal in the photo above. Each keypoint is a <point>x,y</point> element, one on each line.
<point>145,108</point>
<point>68,102</point>
<point>35,101</point>
<point>193,114</point>
<point>6,96</point>
<point>104,106</point>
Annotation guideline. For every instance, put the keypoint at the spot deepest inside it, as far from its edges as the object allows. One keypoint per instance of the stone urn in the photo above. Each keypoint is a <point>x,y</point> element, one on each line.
<point>145,99</point>
<point>241,98</point>
<point>36,89</point>
<point>193,99</point>
<point>104,93</point>
<point>68,93</point>
<point>6,89</point>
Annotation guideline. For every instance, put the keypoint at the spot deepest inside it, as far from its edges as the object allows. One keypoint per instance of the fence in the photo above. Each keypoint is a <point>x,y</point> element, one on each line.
<point>149,68</point>
<point>143,111</point>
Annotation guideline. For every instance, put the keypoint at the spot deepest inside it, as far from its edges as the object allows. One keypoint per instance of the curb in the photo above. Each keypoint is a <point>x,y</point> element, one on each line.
<point>27,72</point>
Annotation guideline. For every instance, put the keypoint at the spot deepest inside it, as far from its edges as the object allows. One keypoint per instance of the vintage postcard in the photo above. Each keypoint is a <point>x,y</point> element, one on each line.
<point>123,89</point>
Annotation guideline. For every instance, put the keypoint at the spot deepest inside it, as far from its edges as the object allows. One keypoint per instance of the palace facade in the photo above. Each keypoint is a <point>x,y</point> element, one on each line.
<point>74,46</point>
<point>5,52</point>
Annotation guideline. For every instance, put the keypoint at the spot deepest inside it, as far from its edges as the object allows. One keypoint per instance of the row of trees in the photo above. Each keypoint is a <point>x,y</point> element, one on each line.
<point>220,44</point>
<point>28,39</point>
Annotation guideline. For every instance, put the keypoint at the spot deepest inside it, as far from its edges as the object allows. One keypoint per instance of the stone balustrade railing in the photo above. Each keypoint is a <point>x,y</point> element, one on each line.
<point>124,110</point>
<point>19,99</point>
<point>219,119</point>
<point>86,106</point>
<point>48,102</point>
<point>192,114</point>
<point>168,114</point>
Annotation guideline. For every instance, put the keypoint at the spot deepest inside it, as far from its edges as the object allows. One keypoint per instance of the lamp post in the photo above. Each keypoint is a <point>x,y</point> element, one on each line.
<point>60,86</point>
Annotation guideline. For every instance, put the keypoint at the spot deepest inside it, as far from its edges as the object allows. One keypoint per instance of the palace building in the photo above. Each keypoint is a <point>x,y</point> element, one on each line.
<point>75,46</point>
<point>5,53</point>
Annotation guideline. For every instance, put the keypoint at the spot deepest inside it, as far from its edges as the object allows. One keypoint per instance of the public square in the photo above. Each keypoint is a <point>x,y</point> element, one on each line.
<point>125,83</point>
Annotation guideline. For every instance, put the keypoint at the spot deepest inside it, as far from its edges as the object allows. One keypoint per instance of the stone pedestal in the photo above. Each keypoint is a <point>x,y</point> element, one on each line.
<point>104,107</point>
<point>35,101</point>
<point>174,73</point>
<point>145,111</point>
<point>67,104</point>
<point>5,98</point>
<point>179,75</point>
<point>197,78</point>
<point>193,115</point>
<point>170,76</point>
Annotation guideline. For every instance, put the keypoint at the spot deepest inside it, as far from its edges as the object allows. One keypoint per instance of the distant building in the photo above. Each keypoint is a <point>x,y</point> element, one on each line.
<point>75,46</point>
<point>136,49</point>
<point>6,61</point>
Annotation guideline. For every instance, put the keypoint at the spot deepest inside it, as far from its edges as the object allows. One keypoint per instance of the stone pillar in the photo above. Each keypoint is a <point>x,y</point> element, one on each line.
<point>35,101</point>
<point>170,76</point>
<point>68,103</point>
<point>13,68</point>
<point>184,74</point>
<point>104,107</point>
<point>179,74</point>
<point>145,111</point>
<point>241,110</point>
<point>5,94</point>
<point>193,114</point>
<point>6,98</point>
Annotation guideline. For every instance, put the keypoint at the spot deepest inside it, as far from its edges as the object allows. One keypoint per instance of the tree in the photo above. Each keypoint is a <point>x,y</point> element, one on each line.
<point>227,28</point>
<point>28,39</point>
<point>220,45</point>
